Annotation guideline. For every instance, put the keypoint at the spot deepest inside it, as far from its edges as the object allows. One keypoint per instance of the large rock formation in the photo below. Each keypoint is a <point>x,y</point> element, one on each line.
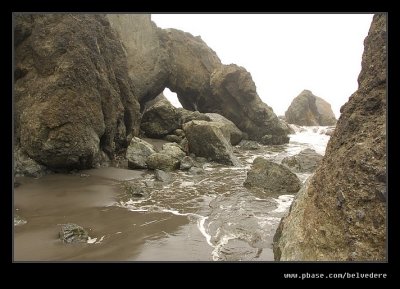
<point>79,80</point>
<point>73,96</point>
<point>308,109</point>
<point>341,213</point>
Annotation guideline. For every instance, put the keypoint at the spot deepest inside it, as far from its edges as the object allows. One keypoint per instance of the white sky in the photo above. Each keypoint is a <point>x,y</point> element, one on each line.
<point>285,53</point>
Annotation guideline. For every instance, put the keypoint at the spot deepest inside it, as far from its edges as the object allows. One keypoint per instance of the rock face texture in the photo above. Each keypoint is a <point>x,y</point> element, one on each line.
<point>341,213</point>
<point>148,61</point>
<point>272,178</point>
<point>308,109</point>
<point>73,97</point>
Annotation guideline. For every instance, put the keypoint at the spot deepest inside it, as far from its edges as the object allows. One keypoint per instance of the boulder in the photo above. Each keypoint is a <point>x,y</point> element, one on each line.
<point>25,166</point>
<point>341,214</point>
<point>187,115</point>
<point>269,139</point>
<point>137,153</point>
<point>206,139</point>
<point>173,150</point>
<point>73,233</point>
<point>162,176</point>
<point>162,162</point>
<point>304,162</point>
<point>173,138</point>
<point>235,134</point>
<point>249,145</point>
<point>272,178</point>
<point>159,118</point>
<point>186,163</point>
<point>310,110</point>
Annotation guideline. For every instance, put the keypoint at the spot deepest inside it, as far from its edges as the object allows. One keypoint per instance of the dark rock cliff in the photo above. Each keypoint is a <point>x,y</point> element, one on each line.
<point>341,213</point>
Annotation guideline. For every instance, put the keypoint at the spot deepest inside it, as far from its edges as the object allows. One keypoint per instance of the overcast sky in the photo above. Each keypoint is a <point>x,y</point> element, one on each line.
<point>285,53</point>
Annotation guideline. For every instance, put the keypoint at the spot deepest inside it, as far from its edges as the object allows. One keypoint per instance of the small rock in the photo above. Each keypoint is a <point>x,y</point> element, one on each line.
<point>186,163</point>
<point>196,171</point>
<point>18,221</point>
<point>173,138</point>
<point>162,176</point>
<point>73,233</point>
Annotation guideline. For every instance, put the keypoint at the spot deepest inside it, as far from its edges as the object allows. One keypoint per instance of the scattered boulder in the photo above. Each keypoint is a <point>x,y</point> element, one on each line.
<point>186,115</point>
<point>173,150</point>
<point>269,139</point>
<point>162,176</point>
<point>196,171</point>
<point>249,144</point>
<point>73,233</point>
<point>235,134</point>
<point>133,190</point>
<point>304,162</point>
<point>25,166</point>
<point>162,161</point>
<point>310,110</point>
<point>272,178</point>
<point>137,153</point>
<point>173,138</point>
<point>186,163</point>
<point>206,139</point>
<point>160,118</point>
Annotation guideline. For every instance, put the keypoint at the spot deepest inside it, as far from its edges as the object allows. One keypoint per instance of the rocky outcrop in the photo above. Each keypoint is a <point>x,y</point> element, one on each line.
<point>305,161</point>
<point>206,139</point>
<point>341,214</point>
<point>272,178</point>
<point>137,153</point>
<point>73,96</point>
<point>235,134</point>
<point>309,110</point>
<point>79,79</point>
<point>203,84</point>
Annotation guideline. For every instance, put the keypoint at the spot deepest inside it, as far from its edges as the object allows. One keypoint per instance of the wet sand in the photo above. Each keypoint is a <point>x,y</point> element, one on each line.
<point>87,201</point>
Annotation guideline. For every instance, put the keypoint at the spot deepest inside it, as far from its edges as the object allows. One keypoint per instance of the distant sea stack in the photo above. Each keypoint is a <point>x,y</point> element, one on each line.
<point>340,214</point>
<point>309,110</point>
